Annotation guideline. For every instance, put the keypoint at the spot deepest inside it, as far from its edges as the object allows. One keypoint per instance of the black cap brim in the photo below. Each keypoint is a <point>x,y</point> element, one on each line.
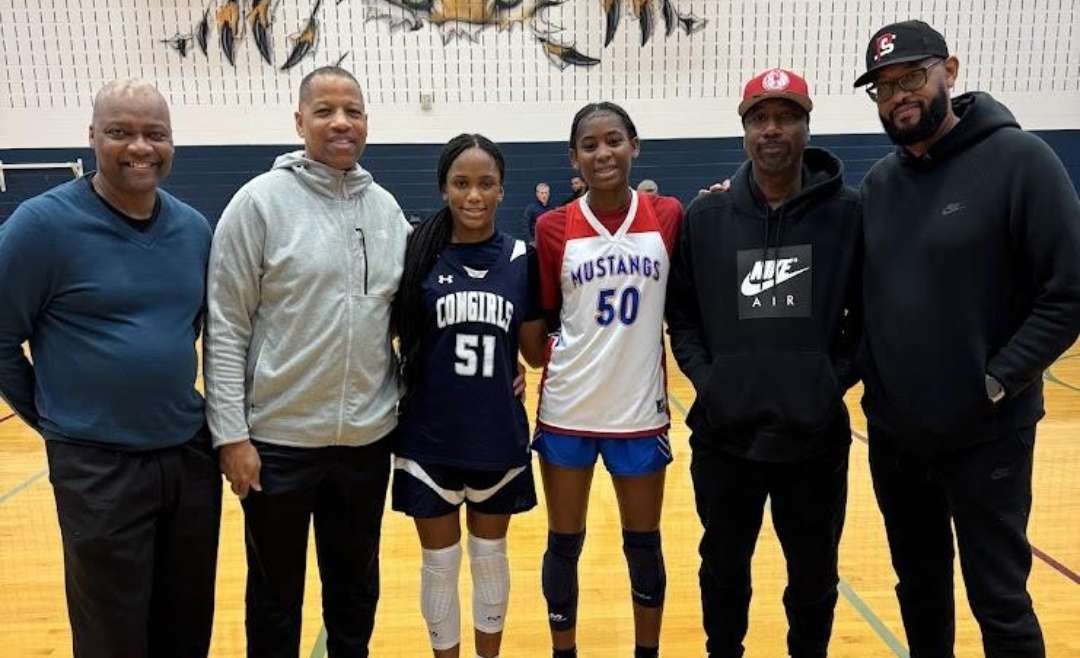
<point>867,78</point>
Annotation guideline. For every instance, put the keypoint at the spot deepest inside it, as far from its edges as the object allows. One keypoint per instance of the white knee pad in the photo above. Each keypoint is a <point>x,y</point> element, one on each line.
<point>439,596</point>
<point>491,583</point>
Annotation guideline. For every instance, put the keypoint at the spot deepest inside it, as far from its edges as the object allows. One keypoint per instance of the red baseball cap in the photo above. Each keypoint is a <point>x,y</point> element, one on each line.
<point>776,83</point>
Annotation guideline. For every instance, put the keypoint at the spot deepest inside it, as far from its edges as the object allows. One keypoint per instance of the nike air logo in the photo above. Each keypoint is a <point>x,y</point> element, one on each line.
<point>769,274</point>
<point>951,208</point>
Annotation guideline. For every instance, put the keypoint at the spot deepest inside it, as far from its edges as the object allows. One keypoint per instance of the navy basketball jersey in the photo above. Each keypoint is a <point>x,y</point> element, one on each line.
<point>464,412</point>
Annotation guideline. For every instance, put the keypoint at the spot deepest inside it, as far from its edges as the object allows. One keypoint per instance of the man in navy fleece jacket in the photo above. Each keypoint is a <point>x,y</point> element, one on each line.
<point>105,277</point>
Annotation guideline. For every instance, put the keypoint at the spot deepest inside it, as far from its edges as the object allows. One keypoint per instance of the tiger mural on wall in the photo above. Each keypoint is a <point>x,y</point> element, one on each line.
<point>467,18</point>
<point>464,19</point>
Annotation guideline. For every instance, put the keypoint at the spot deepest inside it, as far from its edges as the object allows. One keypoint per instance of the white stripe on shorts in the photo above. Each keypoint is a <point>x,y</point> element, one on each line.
<point>412,468</point>
<point>480,495</point>
<point>456,496</point>
<point>664,445</point>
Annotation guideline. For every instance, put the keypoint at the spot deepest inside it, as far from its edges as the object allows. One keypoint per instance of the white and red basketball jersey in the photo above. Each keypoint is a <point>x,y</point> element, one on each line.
<point>605,375</point>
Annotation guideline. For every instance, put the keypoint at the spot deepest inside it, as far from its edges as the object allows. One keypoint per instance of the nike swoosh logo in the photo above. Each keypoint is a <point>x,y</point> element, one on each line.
<point>751,288</point>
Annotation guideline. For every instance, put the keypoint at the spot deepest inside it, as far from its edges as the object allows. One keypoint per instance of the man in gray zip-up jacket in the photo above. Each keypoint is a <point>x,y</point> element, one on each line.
<point>300,374</point>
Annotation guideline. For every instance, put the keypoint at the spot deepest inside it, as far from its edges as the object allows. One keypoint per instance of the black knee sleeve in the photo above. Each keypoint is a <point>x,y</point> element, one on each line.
<point>559,578</point>
<point>645,558</point>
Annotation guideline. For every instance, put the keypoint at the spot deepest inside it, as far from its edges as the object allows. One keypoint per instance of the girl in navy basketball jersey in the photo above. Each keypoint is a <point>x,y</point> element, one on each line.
<point>468,300</point>
<point>603,280</point>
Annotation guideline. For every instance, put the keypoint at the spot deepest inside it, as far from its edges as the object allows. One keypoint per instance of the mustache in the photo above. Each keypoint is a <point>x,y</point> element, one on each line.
<point>911,103</point>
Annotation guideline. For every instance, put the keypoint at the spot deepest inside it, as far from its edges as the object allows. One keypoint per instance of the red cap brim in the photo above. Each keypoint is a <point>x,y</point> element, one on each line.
<point>802,101</point>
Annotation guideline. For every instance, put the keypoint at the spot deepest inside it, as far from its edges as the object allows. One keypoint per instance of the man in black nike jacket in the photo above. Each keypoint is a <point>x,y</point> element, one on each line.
<point>972,289</point>
<point>763,310</point>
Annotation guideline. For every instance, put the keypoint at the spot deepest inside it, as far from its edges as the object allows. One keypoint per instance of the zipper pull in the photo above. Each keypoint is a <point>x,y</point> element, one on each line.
<point>363,251</point>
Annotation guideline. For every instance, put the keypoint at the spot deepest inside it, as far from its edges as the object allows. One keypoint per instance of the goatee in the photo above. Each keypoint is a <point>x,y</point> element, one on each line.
<point>928,124</point>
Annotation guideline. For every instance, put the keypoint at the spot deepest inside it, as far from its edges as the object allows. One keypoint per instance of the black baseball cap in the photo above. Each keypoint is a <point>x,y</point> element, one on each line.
<point>909,41</point>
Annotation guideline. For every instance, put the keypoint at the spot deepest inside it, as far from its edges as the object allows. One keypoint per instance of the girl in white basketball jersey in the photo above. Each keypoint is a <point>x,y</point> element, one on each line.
<point>603,274</point>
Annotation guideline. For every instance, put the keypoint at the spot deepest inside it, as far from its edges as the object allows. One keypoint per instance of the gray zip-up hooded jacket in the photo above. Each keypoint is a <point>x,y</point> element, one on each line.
<point>304,266</point>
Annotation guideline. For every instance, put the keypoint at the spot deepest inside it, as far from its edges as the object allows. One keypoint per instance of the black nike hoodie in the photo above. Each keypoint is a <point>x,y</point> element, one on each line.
<point>763,313</point>
<point>972,267</point>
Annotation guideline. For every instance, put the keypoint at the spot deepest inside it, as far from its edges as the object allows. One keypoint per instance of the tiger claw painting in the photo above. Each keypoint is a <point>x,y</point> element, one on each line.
<point>467,18</point>
<point>454,19</point>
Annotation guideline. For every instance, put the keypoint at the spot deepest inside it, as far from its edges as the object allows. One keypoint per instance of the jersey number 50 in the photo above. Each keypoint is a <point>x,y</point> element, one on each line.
<point>628,306</point>
<point>468,361</point>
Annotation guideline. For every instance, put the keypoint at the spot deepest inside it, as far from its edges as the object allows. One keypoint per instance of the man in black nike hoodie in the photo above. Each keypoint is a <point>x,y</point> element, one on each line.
<point>972,289</point>
<point>762,308</point>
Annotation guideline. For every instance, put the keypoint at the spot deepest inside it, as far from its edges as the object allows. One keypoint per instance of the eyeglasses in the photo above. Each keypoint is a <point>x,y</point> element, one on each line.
<point>914,80</point>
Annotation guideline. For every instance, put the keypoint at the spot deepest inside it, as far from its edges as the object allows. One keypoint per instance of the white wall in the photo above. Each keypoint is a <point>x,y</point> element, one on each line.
<point>55,53</point>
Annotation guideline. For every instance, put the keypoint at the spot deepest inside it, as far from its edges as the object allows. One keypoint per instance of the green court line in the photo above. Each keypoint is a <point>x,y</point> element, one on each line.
<point>24,484</point>
<point>319,650</point>
<point>678,404</point>
<point>864,610</point>
<point>1051,377</point>
<point>868,614</point>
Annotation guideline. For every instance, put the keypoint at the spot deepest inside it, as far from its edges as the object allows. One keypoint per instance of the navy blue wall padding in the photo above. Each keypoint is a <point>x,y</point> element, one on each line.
<point>207,176</point>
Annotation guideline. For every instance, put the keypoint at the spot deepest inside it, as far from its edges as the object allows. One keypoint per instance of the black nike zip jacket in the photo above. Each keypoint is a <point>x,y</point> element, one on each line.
<point>763,312</point>
<point>972,267</point>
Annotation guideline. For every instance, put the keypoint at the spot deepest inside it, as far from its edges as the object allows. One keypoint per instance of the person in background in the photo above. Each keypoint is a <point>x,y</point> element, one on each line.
<point>538,206</point>
<point>578,187</point>
<point>648,186</point>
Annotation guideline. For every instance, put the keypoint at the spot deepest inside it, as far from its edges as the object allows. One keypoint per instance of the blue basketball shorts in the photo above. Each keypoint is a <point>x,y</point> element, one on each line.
<point>622,457</point>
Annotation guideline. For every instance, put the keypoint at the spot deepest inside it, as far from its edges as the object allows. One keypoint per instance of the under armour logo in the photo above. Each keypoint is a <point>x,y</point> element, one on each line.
<point>446,278</point>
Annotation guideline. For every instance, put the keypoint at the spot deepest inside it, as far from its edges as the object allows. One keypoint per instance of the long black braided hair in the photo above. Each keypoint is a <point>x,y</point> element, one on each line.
<point>425,244</point>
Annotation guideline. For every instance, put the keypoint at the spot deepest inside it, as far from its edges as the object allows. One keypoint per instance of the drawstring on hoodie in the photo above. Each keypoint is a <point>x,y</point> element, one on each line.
<point>776,247</point>
<point>765,246</point>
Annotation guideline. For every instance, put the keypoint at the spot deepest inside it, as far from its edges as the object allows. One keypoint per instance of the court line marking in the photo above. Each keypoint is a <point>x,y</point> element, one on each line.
<point>864,610</point>
<point>868,614</point>
<point>1051,377</point>
<point>1057,566</point>
<point>1042,555</point>
<point>319,650</point>
<point>23,485</point>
